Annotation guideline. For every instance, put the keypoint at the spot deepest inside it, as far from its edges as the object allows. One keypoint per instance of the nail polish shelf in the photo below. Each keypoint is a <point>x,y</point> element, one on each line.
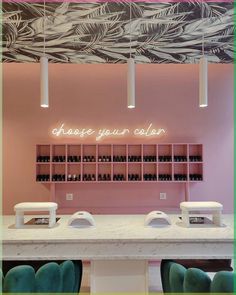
<point>134,163</point>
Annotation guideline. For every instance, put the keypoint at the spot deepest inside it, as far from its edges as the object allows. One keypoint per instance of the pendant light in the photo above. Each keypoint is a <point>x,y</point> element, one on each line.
<point>44,99</point>
<point>203,82</point>
<point>130,74</point>
<point>203,75</point>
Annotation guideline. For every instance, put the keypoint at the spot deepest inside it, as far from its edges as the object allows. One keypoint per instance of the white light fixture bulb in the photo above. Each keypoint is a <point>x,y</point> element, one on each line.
<point>203,82</point>
<point>44,100</point>
<point>131,83</point>
<point>44,82</point>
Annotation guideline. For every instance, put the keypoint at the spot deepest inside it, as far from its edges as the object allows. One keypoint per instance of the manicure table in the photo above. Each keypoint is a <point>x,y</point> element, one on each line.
<point>118,246</point>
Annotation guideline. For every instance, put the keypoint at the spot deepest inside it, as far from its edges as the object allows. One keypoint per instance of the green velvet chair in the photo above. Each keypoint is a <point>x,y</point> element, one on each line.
<point>223,282</point>
<point>49,278</point>
<point>196,281</point>
<point>178,279</point>
<point>1,280</point>
<point>20,279</point>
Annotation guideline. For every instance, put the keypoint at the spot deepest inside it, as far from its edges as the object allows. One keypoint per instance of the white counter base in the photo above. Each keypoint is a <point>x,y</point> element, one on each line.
<point>119,276</point>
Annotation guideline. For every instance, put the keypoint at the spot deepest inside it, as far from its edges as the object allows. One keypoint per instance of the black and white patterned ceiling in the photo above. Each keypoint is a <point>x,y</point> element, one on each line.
<point>163,32</point>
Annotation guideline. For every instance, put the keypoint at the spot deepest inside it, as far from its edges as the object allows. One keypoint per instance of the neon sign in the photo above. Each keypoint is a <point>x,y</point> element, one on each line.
<point>100,134</point>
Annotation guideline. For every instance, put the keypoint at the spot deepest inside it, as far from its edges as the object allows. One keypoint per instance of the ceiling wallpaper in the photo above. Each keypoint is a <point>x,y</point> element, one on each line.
<point>163,32</point>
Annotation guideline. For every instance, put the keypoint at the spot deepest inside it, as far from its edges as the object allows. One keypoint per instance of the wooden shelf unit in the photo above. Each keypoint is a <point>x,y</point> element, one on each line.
<point>119,163</point>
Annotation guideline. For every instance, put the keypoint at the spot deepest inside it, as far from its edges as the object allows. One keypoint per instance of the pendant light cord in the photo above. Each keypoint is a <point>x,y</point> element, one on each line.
<point>203,37</point>
<point>44,15</point>
<point>130,29</point>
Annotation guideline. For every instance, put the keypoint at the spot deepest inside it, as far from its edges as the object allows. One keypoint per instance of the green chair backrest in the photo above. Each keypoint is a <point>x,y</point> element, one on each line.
<point>196,281</point>
<point>165,275</point>
<point>68,276</point>
<point>223,282</point>
<point>1,281</point>
<point>20,279</point>
<point>49,278</point>
<point>177,279</point>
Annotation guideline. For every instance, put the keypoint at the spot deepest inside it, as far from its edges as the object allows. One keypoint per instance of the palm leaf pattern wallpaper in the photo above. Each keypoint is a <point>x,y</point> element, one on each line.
<point>110,32</point>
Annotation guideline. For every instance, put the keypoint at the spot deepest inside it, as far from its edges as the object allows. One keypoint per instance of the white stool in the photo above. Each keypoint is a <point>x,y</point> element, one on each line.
<point>35,206</point>
<point>214,207</point>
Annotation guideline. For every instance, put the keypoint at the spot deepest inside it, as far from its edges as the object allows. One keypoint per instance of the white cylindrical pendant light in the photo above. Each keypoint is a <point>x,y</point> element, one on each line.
<point>44,82</point>
<point>130,71</point>
<point>203,72</point>
<point>44,96</point>
<point>203,82</point>
<point>131,83</point>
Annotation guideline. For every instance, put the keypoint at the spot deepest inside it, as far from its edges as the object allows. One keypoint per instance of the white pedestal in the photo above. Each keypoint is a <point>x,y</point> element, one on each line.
<point>214,207</point>
<point>124,276</point>
<point>35,206</point>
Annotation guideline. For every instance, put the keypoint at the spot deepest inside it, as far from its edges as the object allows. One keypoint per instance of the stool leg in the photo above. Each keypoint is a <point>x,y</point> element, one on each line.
<point>185,217</point>
<point>19,219</point>
<point>217,218</point>
<point>52,218</point>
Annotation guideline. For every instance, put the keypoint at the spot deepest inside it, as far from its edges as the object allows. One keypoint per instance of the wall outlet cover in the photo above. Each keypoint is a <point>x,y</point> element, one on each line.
<point>162,196</point>
<point>69,197</point>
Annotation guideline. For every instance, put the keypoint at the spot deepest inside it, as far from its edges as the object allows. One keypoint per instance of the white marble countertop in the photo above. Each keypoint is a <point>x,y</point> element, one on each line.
<point>118,228</point>
<point>122,237</point>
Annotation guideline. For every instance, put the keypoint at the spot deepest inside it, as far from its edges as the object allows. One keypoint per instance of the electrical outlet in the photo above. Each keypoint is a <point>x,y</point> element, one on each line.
<point>162,196</point>
<point>69,197</point>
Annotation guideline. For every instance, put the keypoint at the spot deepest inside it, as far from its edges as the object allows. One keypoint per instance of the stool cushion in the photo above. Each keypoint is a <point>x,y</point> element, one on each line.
<point>48,278</point>
<point>223,282</point>
<point>35,206</point>
<point>177,273</point>
<point>201,205</point>
<point>196,281</point>
<point>20,279</point>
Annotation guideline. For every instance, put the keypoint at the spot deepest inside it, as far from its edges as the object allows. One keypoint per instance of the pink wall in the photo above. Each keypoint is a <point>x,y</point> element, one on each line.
<point>95,96</point>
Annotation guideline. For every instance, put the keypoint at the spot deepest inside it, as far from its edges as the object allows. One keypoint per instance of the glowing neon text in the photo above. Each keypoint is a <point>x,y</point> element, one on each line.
<point>105,133</point>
